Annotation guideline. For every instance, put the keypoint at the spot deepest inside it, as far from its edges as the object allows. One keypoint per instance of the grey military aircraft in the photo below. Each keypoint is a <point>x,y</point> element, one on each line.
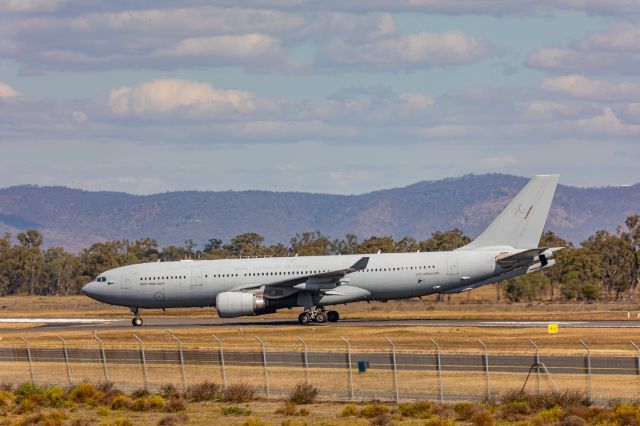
<point>256,286</point>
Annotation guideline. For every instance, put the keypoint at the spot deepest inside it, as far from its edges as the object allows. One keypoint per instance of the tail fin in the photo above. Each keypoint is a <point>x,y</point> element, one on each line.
<point>521,223</point>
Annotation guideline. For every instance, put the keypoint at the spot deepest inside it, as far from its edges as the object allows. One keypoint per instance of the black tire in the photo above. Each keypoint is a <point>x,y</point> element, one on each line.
<point>304,318</point>
<point>333,316</point>
<point>321,317</point>
<point>136,321</point>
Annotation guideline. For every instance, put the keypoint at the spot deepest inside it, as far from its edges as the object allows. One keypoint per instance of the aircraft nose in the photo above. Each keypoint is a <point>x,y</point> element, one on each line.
<point>89,289</point>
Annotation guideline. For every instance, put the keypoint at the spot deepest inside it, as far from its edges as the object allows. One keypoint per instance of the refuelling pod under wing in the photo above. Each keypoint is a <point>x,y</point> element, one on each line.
<point>231,304</point>
<point>342,294</point>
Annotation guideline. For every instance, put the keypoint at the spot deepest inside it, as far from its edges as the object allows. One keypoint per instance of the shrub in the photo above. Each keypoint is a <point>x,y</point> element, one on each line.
<point>50,418</point>
<point>234,410</point>
<point>120,402</point>
<point>626,413</point>
<point>147,403</point>
<point>464,410</point>
<point>6,386</point>
<point>102,411</point>
<point>122,421</point>
<point>515,410</point>
<point>239,393</point>
<point>252,421</point>
<point>84,393</point>
<point>483,417</point>
<point>54,396</point>
<point>29,390</point>
<point>6,398</point>
<point>303,394</point>
<point>139,393</point>
<point>349,410</point>
<point>175,404</point>
<point>168,390</point>
<point>155,401</point>
<point>205,391</point>
<point>440,421</point>
<point>572,421</point>
<point>105,387</point>
<point>416,410</point>
<point>173,420</point>
<point>370,411</point>
<point>549,399</point>
<point>287,409</point>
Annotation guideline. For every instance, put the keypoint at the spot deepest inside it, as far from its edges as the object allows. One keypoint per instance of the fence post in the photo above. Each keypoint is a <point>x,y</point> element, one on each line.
<point>537,362</point>
<point>180,353</point>
<point>224,371</point>
<point>264,364</point>
<point>588,368</point>
<point>143,359</point>
<point>439,366</point>
<point>350,368</point>
<point>486,367</point>
<point>94,335</point>
<point>395,368</point>
<point>33,374</point>
<point>66,358</point>
<point>306,359</point>
<point>637,357</point>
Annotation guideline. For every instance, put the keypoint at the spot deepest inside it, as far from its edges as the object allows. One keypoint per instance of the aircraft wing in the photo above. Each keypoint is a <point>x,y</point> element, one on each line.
<point>317,279</point>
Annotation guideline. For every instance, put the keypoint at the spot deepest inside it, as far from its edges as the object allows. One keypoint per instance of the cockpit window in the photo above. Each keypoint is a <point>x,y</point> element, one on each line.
<point>101,279</point>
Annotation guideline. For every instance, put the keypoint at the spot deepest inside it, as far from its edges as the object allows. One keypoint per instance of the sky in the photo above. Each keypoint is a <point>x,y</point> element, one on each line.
<point>342,96</point>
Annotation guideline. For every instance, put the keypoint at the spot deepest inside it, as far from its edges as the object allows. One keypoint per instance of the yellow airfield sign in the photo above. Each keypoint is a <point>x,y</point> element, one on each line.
<point>552,328</point>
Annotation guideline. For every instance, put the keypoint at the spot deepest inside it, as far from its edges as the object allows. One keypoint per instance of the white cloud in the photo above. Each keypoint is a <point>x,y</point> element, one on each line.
<point>498,162</point>
<point>162,96</point>
<point>621,36</point>
<point>229,49</point>
<point>408,51</point>
<point>7,91</point>
<point>613,50</point>
<point>30,5</point>
<point>581,87</point>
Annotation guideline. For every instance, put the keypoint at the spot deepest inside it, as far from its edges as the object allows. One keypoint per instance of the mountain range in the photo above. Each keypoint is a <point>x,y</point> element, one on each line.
<point>74,218</point>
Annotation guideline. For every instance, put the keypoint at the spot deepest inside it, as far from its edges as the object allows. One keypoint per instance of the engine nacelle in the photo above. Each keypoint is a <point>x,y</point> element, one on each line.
<point>232,304</point>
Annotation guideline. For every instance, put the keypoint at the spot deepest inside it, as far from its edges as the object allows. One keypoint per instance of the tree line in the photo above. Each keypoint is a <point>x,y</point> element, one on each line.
<point>605,267</point>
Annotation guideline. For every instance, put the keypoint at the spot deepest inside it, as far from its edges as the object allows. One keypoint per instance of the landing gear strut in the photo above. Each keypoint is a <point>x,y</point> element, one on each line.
<point>136,321</point>
<point>319,315</point>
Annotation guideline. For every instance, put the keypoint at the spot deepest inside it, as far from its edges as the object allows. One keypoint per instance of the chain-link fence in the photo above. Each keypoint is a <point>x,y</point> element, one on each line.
<point>340,370</point>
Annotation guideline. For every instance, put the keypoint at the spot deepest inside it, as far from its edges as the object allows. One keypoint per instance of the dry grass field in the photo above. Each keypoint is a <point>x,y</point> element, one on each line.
<point>480,303</point>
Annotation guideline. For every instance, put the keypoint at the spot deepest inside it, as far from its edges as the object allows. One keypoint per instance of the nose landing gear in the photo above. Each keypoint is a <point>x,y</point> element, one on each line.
<point>136,321</point>
<point>319,315</point>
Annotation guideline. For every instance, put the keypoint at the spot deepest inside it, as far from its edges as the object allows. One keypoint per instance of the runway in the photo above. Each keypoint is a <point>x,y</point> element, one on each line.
<point>68,324</point>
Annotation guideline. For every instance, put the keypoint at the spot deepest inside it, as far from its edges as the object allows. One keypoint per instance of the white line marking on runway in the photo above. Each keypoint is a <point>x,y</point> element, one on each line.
<point>523,323</point>
<point>55,320</point>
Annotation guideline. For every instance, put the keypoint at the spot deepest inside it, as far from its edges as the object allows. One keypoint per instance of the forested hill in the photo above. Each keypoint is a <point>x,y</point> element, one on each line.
<point>74,218</point>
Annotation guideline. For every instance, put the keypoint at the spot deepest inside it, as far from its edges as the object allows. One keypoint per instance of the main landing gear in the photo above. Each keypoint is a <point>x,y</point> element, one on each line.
<point>136,321</point>
<point>319,315</point>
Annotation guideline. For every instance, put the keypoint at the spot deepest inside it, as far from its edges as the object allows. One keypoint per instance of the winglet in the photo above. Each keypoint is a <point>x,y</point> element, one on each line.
<point>360,264</point>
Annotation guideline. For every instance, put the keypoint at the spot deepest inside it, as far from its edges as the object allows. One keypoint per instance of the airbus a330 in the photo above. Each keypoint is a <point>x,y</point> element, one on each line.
<point>257,286</point>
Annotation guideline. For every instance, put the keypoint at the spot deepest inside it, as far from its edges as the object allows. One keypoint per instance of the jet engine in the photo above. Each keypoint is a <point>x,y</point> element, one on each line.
<point>232,304</point>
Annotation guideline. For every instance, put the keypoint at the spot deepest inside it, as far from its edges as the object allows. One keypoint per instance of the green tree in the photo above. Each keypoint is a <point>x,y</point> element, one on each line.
<point>615,254</point>
<point>445,241</point>
<point>311,244</point>
<point>247,244</point>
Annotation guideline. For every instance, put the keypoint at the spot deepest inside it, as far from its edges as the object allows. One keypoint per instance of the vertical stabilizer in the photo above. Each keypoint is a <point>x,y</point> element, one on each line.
<point>521,223</point>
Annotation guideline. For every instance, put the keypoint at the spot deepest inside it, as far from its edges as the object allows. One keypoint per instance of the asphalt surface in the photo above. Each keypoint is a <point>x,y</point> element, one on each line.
<point>178,323</point>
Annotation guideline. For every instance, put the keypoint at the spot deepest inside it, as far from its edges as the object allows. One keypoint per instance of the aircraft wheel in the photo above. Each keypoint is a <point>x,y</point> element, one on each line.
<point>304,318</point>
<point>333,316</point>
<point>136,321</point>
<point>321,317</point>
